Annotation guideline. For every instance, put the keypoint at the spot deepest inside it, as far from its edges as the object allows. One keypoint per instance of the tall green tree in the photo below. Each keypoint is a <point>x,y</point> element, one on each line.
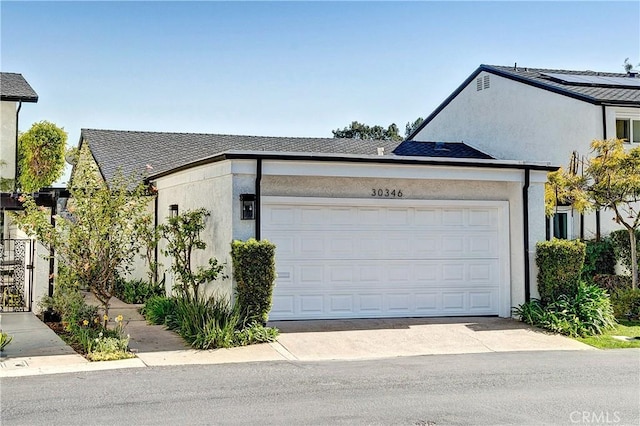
<point>358,130</point>
<point>411,127</point>
<point>610,180</point>
<point>98,238</point>
<point>41,151</point>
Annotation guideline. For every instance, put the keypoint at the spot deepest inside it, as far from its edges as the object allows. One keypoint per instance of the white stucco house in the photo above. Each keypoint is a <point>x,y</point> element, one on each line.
<point>363,229</point>
<point>24,273</point>
<point>533,114</point>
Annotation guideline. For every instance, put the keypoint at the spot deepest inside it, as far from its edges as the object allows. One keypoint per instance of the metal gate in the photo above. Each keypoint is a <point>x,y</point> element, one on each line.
<point>16,274</point>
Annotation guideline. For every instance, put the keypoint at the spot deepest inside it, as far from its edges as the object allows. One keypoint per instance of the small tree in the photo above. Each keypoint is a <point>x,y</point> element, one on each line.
<point>182,233</point>
<point>41,152</point>
<point>610,180</point>
<point>99,236</point>
<point>149,237</point>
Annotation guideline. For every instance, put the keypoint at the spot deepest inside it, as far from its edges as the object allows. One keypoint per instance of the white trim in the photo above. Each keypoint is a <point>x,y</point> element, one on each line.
<point>400,171</point>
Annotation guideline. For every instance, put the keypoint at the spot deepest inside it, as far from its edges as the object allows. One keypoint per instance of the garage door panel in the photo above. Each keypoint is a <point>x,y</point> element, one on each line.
<point>351,261</point>
<point>365,273</point>
<point>378,246</point>
<point>371,303</point>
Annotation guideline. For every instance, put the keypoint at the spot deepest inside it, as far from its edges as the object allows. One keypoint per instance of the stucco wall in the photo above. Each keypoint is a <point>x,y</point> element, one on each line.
<point>41,275</point>
<point>7,139</point>
<point>515,121</point>
<point>209,187</point>
<point>217,187</point>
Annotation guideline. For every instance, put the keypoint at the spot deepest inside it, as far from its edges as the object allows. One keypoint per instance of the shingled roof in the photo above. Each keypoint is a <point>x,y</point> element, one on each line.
<point>590,93</point>
<point>14,88</point>
<point>439,149</point>
<point>133,151</point>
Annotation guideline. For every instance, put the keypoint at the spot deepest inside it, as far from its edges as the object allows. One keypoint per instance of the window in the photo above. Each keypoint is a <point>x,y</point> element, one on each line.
<point>560,229</point>
<point>561,224</point>
<point>628,129</point>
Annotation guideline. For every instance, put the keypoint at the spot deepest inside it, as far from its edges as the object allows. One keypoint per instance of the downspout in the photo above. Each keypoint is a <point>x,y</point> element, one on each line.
<point>15,181</point>
<point>525,225</point>
<point>257,190</point>
<point>155,228</point>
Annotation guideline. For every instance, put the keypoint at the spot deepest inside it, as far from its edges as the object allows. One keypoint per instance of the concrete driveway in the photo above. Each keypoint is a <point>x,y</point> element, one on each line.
<point>382,338</point>
<point>38,350</point>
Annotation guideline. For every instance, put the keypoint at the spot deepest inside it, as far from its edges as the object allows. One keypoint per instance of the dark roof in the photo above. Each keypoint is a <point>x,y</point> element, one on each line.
<point>439,149</point>
<point>132,151</point>
<point>592,94</point>
<point>13,87</point>
<point>169,152</point>
<point>596,95</point>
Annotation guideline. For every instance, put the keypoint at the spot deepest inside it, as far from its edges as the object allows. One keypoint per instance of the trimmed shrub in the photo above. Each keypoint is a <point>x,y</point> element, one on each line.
<point>559,265</point>
<point>622,246</point>
<point>587,313</point>
<point>254,271</point>
<point>599,259</point>
<point>626,303</point>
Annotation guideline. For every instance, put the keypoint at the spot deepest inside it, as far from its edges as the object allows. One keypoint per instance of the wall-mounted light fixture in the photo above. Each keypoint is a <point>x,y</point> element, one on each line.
<point>248,206</point>
<point>173,210</point>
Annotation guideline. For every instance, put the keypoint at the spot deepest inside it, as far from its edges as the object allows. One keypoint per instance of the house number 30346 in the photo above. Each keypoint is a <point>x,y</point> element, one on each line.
<point>386,192</point>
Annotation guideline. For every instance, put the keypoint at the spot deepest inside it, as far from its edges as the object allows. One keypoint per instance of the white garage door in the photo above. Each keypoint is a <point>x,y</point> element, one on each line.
<point>346,258</point>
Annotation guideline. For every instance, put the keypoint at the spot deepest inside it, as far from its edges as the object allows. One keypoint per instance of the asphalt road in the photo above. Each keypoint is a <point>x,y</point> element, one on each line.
<point>523,388</point>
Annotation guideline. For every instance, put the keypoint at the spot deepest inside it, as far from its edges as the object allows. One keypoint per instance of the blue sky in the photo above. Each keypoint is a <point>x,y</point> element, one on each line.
<point>287,68</point>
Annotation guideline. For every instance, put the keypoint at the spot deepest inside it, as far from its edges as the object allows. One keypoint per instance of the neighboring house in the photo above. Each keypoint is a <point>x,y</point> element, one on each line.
<point>363,229</point>
<point>14,91</point>
<point>533,114</point>
<point>18,254</point>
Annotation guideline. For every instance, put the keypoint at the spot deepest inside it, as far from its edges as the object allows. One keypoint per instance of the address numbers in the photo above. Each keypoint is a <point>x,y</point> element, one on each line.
<point>386,192</point>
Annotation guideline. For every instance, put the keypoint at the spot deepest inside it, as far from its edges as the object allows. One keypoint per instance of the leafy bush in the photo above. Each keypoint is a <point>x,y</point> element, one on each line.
<point>207,324</point>
<point>559,265</point>
<point>137,291</point>
<point>588,312</point>
<point>157,309</point>
<point>612,283</point>
<point>622,246</point>
<point>599,259</point>
<point>254,271</point>
<point>5,339</point>
<point>626,303</point>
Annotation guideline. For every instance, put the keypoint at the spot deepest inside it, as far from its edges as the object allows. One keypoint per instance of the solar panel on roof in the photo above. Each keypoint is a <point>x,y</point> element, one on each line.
<point>594,80</point>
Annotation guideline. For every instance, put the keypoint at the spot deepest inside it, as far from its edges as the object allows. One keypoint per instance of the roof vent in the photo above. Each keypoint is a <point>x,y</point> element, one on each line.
<point>380,150</point>
<point>440,147</point>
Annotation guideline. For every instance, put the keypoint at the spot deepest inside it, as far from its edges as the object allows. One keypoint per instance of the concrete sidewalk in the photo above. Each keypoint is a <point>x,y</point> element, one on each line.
<point>36,349</point>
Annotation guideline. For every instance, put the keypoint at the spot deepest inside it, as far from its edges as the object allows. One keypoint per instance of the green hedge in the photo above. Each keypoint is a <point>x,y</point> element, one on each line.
<point>599,259</point>
<point>622,246</point>
<point>559,267</point>
<point>255,272</point>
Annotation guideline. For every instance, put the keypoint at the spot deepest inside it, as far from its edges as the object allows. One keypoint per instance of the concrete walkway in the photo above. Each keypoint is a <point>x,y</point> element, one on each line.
<point>36,349</point>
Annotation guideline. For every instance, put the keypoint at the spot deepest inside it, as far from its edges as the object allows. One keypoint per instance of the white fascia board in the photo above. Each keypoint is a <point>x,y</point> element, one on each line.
<point>398,171</point>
